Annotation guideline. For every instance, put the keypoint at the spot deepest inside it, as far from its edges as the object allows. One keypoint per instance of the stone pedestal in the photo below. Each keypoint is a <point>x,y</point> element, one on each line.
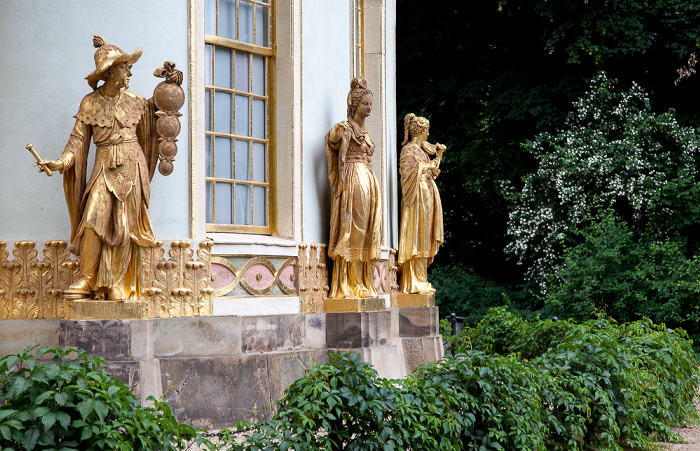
<point>88,309</point>
<point>419,334</point>
<point>415,300</point>
<point>354,304</point>
<point>214,371</point>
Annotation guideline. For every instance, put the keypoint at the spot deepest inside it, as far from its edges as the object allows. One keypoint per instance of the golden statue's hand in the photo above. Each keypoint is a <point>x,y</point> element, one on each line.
<point>54,165</point>
<point>337,130</point>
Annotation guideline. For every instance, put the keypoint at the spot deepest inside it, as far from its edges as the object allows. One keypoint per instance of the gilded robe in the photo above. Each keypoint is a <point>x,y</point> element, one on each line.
<point>421,232</point>
<point>113,204</point>
<point>356,221</point>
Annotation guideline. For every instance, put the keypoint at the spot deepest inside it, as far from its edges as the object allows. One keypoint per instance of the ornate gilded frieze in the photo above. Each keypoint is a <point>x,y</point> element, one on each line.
<point>385,279</point>
<point>254,276</point>
<point>32,286</point>
<point>313,277</point>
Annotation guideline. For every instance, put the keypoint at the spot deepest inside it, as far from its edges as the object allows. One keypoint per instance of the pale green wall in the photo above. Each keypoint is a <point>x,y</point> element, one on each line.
<point>45,53</point>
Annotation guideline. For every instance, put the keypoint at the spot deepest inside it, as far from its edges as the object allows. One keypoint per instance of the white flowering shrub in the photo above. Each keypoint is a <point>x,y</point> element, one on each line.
<point>612,153</point>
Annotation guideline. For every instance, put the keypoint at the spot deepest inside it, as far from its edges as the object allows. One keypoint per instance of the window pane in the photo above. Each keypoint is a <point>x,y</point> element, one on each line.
<point>222,112</point>
<point>259,206</point>
<point>262,27</point>
<point>243,204</point>
<point>246,23</point>
<point>207,65</point>
<point>223,166</point>
<point>224,203</point>
<point>209,156</point>
<point>243,160</point>
<point>210,202</point>
<point>207,107</point>
<point>259,163</point>
<point>222,67</point>
<point>242,71</point>
<point>259,118</point>
<point>259,77</point>
<point>227,19</point>
<point>242,116</point>
<point>210,17</point>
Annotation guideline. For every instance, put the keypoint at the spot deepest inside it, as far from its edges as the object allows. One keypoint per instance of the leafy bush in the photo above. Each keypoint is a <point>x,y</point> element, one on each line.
<point>606,382</point>
<point>338,405</point>
<point>530,385</point>
<point>628,278</point>
<point>64,400</point>
<point>612,153</point>
<point>460,291</point>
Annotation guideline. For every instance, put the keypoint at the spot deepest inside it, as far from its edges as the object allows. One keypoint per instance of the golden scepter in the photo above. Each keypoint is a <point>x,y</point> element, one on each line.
<point>42,167</point>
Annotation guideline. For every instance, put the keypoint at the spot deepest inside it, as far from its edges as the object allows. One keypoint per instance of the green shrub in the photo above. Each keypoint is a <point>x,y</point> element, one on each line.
<point>64,400</point>
<point>628,278</point>
<point>607,382</point>
<point>338,405</point>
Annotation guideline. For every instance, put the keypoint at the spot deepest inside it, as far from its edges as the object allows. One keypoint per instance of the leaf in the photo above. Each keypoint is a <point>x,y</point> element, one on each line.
<point>30,438</point>
<point>86,407</point>
<point>48,420</point>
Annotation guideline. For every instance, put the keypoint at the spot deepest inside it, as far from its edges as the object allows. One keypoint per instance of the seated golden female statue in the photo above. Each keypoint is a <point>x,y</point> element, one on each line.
<point>109,215</point>
<point>356,222</point>
<point>421,231</point>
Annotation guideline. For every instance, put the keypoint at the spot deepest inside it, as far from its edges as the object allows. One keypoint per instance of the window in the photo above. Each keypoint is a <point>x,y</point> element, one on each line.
<point>238,59</point>
<point>357,25</point>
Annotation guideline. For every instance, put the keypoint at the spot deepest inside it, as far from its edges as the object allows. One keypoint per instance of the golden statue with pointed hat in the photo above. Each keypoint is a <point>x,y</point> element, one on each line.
<point>108,205</point>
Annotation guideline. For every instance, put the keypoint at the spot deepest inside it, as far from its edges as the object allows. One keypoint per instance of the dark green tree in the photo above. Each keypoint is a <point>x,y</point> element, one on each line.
<point>492,74</point>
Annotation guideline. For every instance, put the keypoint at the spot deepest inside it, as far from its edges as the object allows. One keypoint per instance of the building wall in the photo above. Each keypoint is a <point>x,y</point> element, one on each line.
<point>46,53</point>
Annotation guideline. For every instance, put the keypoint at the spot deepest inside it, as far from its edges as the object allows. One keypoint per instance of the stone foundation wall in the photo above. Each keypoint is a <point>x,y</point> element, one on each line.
<point>215,371</point>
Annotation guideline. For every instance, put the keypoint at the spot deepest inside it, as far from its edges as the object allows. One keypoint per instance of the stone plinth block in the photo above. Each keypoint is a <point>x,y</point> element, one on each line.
<point>415,300</point>
<point>354,330</point>
<point>419,321</point>
<point>108,339</point>
<point>354,304</point>
<point>89,309</point>
<point>272,333</point>
<point>196,337</point>
<point>18,334</point>
<point>215,392</point>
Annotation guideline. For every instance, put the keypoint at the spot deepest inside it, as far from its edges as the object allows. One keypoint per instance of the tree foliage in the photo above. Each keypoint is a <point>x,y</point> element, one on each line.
<point>612,154</point>
<point>492,74</point>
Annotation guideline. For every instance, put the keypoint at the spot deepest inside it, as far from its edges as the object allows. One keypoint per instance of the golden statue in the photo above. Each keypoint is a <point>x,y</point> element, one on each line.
<point>356,221</point>
<point>421,210</point>
<point>109,215</point>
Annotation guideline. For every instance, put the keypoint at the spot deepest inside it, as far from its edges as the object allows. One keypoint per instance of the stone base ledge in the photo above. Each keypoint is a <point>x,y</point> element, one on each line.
<point>214,371</point>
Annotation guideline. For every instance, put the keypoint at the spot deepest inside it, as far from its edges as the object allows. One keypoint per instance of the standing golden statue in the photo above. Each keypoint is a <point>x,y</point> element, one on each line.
<point>421,209</point>
<point>109,215</point>
<point>356,211</point>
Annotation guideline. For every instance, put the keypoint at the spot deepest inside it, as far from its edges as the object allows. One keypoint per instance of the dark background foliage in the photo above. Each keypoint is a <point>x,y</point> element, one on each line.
<point>492,75</point>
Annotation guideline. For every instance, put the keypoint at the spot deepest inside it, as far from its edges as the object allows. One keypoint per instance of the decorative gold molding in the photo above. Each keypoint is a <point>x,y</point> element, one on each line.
<point>33,288</point>
<point>313,277</point>
<point>273,278</point>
